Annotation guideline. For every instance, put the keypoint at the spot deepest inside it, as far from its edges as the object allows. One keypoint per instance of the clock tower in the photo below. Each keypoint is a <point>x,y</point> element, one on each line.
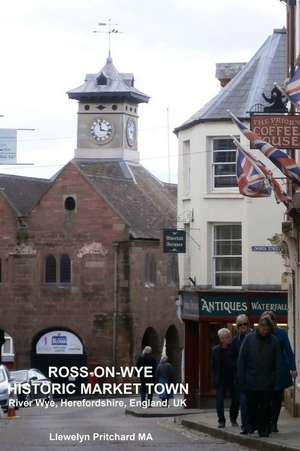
<point>108,115</point>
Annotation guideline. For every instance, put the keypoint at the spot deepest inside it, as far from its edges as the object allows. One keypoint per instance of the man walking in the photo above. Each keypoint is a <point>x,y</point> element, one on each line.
<point>243,326</point>
<point>147,362</point>
<point>259,374</point>
<point>223,368</point>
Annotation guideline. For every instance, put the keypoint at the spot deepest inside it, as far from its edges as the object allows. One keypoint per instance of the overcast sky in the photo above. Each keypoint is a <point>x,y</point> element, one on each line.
<point>171,46</point>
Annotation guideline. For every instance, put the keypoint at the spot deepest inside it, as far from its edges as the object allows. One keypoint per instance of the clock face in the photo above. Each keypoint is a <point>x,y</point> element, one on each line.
<point>101,131</point>
<point>131,132</point>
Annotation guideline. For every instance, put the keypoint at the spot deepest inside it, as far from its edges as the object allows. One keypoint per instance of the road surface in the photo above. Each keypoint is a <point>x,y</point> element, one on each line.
<point>40,429</point>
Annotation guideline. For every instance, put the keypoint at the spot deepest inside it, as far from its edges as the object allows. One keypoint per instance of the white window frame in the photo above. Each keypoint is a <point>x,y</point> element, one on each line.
<point>214,257</point>
<point>231,189</point>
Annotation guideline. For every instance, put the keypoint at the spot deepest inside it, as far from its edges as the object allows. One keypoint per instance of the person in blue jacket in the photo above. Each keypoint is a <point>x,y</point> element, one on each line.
<point>288,371</point>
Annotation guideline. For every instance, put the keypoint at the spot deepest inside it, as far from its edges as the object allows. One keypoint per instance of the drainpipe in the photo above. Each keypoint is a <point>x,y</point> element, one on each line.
<point>115,304</point>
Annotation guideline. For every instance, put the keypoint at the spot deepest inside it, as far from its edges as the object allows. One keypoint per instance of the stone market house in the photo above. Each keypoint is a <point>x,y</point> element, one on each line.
<point>83,276</point>
<point>230,266</point>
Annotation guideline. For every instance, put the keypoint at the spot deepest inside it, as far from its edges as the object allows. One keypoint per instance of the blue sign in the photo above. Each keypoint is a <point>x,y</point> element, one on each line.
<point>265,249</point>
<point>60,340</point>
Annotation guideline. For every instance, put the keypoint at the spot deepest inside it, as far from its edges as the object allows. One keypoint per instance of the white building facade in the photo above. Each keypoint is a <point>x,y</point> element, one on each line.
<point>230,265</point>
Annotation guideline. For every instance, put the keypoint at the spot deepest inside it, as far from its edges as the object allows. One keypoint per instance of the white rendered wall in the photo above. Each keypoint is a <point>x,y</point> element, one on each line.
<point>260,218</point>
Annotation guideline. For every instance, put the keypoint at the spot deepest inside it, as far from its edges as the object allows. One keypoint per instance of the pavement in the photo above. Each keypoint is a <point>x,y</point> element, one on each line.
<point>33,430</point>
<point>288,438</point>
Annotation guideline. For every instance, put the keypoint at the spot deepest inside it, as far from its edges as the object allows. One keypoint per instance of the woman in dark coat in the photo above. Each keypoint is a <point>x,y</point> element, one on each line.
<point>288,370</point>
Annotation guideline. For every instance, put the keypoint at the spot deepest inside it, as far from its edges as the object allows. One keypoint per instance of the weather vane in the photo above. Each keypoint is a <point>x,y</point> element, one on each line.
<point>111,28</point>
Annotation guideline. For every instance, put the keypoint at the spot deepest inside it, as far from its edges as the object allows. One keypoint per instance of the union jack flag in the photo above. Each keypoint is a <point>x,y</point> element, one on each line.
<point>292,88</point>
<point>254,178</point>
<point>279,158</point>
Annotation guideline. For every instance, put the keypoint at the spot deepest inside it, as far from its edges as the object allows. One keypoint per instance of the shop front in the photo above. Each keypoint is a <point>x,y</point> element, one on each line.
<point>204,313</point>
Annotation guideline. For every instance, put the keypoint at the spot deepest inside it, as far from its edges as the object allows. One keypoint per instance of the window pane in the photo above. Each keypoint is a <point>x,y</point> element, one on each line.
<point>228,231</point>
<point>228,264</point>
<point>225,182</point>
<point>223,144</point>
<point>229,280</point>
<point>236,230</point>
<point>222,157</point>
<point>225,169</point>
<point>65,269</point>
<point>223,232</point>
<point>228,248</point>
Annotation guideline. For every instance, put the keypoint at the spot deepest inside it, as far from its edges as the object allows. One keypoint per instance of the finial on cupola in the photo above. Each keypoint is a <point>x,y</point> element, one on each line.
<point>110,29</point>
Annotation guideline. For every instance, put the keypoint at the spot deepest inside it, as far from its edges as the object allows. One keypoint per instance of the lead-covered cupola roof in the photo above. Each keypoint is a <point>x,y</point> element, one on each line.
<point>108,85</point>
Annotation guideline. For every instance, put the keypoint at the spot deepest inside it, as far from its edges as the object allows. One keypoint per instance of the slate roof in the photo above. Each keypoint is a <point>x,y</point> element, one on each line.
<point>119,86</point>
<point>146,204</point>
<point>245,90</point>
<point>23,192</point>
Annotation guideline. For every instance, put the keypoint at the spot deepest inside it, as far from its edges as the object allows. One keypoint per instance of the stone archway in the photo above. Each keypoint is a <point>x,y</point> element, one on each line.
<point>151,338</point>
<point>56,347</point>
<point>173,350</point>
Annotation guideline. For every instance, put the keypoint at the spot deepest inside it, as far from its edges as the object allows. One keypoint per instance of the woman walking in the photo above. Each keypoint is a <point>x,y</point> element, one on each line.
<point>288,370</point>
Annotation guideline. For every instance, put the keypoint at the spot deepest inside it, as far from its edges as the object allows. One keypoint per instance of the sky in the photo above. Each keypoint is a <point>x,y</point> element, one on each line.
<point>171,46</point>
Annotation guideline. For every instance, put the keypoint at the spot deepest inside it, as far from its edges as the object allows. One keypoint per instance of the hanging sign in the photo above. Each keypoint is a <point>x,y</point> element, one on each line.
<point>174,241</point>
<point>8,145</point>
<point>280,130</point>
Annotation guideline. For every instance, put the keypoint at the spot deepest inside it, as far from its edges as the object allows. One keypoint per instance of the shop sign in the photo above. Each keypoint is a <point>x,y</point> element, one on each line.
<point>59,342</point>
<point>280,130</point>
<point>174,241</point>
<point>226,307</point>
<point>197,305</point>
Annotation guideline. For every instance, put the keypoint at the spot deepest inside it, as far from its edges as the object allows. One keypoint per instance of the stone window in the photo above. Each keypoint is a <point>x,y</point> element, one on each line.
<point>65,269</point>
<point>50,269</point>
<point>150,271</point>
<point>70,203</point>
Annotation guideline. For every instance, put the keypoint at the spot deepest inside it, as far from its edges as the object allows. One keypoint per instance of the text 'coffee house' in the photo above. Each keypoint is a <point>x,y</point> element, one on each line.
<point>279,130</point>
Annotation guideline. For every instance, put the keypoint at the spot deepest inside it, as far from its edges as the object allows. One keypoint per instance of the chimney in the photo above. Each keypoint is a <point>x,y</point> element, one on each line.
<point>225,72</point>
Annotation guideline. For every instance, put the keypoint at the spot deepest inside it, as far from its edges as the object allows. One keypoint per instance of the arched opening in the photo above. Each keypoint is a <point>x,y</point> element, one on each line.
<point>173,350</point>
<point>57,347</point>
<point>7,350</point>
<point>150,338</point>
